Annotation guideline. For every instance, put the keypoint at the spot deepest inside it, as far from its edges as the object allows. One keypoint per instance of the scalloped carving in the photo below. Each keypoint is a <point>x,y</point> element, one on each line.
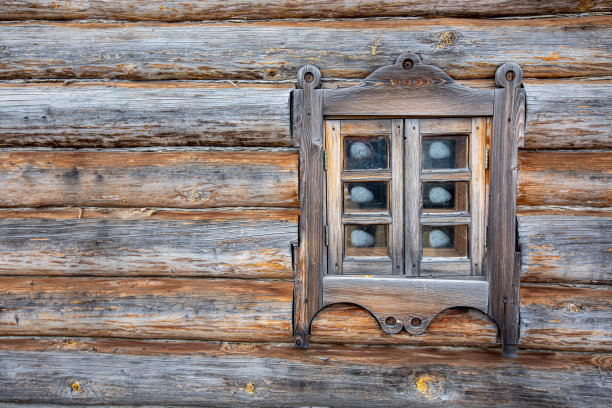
<point>407,90</point>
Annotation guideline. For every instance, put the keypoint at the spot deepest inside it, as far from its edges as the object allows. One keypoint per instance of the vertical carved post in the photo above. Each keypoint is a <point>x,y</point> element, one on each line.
<point>311,264</point>
<point>503,263</point>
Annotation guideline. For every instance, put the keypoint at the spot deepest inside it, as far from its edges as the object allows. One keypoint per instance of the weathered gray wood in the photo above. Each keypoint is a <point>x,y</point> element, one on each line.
<point>157,114</point>
<point>230,374</point>
<point>566,246</point>
<point>555,47</point>
<point>552,317</point>
<point>412,193</point>
<point>308,125</point>
<point>214,309</point>
<point>148,179</point>
<point>76,242</point>
<point>558,246</point>
<point>128,114</point>
<point>213,179</point>
<point>406,89</point>
<point>565,178</point>
<point>397,250</point>
<point>176,10</point>
<point>501,270</point>
<point>568,114</point>
<point>408,304</point>
<point>570,306</point>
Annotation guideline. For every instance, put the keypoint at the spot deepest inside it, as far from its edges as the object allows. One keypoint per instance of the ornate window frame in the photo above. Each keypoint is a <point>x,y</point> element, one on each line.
<point>410,94</point>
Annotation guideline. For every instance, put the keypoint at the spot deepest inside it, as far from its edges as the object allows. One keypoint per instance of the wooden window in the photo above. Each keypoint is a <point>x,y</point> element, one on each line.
<point>381,172</point>
<point>394,190</point>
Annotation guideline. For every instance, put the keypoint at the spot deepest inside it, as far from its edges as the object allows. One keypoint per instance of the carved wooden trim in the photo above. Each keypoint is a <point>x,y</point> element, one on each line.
<point>409,88</point>
<point>502,261</point>
<point>311,261</point>
<point>409,92</point>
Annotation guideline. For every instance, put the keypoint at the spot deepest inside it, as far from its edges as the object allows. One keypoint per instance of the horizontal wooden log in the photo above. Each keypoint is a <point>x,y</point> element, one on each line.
<point>176,10</point>
<point>246,178</point>
<point>213,309</point>
<point>77,242</point>
<point>565,178</point>
<point>552,317</point>
<point>144,179</point>
<point>546,48</point>
<point>558,245</point>
<point>565,245</point>
<point>155,114</point>
<point>128,114</point>
<point>99,371</point>
<point>568,114</point>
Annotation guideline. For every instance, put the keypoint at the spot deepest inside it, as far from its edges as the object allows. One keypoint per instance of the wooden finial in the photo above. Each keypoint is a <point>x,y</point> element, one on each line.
<point>408,60</point>
<point>309,76</point>
<point>509,75</point>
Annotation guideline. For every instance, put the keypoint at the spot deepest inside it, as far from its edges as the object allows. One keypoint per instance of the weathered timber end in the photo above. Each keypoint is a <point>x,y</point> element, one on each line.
<point>153,204</point>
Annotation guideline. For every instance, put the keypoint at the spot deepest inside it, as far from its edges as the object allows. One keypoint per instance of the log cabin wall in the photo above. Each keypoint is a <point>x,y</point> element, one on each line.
<point>149,199</point>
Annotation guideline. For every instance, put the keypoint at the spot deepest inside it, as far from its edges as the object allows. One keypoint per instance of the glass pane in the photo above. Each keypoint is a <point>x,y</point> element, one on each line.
<point>366,153</point>
<point>365,240</point>
<point>448,152</point>
<point>365,196</point>
<point>445,241</point>
<point>445,197</point>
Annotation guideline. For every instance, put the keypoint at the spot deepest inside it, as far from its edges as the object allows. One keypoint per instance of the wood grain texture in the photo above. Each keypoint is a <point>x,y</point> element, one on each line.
<point>156,114</point>
<point>558,245</point>
<point>568,115</point>
<point>565,178</point>
<point>552,317</point>
<point>176,10</point>
<point>214,309</point>
<point>308,126</point>
<point>391,90</point>
<point>232,374</point>
<point>396,303</point>
<point>501,269</point>
<point>77,242</point>
<point>146,179</point>
<point>566,245</point>
<point>130,114</point>
<point>546,48</point>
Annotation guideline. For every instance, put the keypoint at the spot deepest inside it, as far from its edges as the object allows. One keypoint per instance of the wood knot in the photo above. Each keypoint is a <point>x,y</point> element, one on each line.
<point>445,39</point>
<point>431,386</point>
<point>250,388</point>
<point>422,383</point>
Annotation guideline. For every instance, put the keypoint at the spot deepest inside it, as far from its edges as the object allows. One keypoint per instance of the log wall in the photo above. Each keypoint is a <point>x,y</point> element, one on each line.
<point>150,198</point>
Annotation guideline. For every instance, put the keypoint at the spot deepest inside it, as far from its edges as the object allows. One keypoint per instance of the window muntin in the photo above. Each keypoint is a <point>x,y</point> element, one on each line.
<point>368,202</point>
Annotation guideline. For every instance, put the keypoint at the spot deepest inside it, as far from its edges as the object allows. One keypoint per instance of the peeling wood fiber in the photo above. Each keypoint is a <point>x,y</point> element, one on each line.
<point>163,372</point>
<point>260,311</point>
<point>341,49</point>
<point>132,114</point>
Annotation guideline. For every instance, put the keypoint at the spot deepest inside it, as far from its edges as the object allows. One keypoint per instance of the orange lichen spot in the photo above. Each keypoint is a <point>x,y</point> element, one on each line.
<point>250,388</point>
<point>554,56</point>
<point>76,387</point>
<point>446,39</point>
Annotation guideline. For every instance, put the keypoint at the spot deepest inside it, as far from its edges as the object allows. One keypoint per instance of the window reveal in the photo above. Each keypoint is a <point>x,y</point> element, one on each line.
<point>394,200</point>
